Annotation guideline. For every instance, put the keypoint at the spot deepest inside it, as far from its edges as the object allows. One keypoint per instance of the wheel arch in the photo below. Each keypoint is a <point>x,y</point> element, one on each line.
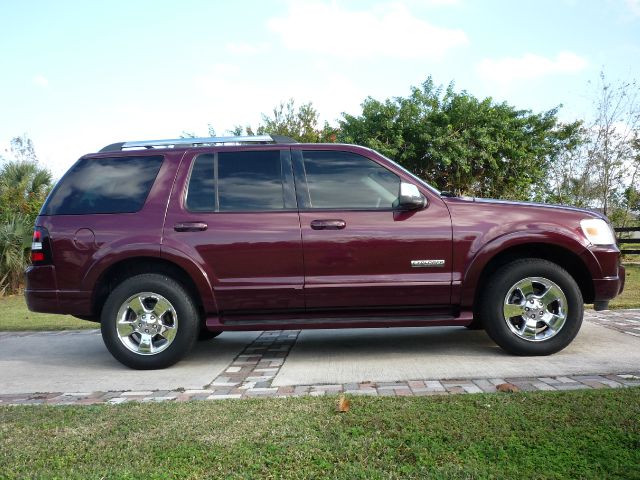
<point>126,268</point>
<point>562,256</point>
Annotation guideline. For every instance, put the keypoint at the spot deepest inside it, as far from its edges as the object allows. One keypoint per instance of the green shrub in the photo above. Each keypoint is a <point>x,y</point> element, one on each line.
<point>15,241</point>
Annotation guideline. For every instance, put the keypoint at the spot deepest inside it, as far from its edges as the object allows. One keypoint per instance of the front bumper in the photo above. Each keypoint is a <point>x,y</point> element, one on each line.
<point>609,282</point>
<point>610,287</point>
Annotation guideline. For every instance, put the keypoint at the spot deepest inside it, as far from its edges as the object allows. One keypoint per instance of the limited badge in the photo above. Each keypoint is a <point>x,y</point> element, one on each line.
<point>427,263</point>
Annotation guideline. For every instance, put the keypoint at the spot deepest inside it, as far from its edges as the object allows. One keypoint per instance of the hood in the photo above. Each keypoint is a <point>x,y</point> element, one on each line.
<point>547,206</point>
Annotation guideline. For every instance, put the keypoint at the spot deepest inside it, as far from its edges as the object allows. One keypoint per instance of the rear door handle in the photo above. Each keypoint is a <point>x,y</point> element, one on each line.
<point>190,227</point>
<point>328,224</point>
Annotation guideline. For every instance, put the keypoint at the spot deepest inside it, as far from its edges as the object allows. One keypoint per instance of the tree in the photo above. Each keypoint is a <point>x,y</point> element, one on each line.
<point>613,147</point>
<point>631,194</point>
<point>300,124</point>
<point>460,143</point>
<point>210,131</point>
<point>571,180</point>
<point>15,241</point>
<point>22,149</point>
<point>603,171</point>
<point>24,185</point>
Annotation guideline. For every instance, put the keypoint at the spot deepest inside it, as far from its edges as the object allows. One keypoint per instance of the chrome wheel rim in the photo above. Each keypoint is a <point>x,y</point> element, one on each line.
<point>147,323</point>
<point>535,309</point>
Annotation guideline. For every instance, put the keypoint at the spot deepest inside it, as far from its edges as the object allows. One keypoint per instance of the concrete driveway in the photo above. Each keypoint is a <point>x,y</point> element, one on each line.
<point>238,364</point>
<point>385,355</point>
<point>79,362</point>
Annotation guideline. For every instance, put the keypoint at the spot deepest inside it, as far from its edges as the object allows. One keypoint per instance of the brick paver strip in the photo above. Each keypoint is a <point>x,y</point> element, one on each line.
<point>625,321</point>
<point>409,388</point>
<point>252,371</point>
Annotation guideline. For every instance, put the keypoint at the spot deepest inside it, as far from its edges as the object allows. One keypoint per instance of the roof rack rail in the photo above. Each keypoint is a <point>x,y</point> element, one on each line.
<point>197,141</point>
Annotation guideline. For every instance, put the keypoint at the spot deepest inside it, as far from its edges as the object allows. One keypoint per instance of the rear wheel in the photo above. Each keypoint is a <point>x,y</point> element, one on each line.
<point>206,334</point>
<point>532,307</point>
<point>149,321</point>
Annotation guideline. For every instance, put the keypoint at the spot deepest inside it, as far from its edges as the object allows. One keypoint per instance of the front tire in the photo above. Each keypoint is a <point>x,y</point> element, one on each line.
<point>149,321</point>
<point>476,323</point>
<point>532,307</point>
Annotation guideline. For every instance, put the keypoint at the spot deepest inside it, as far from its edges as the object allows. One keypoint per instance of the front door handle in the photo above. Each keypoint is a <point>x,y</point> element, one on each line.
<point>328,224</point>
<point>190,227</point>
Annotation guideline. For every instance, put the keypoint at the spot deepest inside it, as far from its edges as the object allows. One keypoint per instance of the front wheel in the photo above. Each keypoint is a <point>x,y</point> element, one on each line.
<point>532,307</point>
<point>149,321</point>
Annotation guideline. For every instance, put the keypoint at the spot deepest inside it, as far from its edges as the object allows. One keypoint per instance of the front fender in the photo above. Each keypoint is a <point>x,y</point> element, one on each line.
<point>556,237</point>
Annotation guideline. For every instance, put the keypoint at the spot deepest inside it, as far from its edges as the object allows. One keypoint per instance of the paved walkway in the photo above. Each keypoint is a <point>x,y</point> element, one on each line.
<point>258,359</point>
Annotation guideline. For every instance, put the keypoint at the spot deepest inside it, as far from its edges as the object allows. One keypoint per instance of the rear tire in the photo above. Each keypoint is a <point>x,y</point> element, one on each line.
<point>149,321</point>
<point>206,334</point>
<point>532,307</point>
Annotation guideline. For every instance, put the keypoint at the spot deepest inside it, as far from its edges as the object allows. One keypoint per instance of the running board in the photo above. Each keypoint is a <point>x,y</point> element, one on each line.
<point>213,323</point>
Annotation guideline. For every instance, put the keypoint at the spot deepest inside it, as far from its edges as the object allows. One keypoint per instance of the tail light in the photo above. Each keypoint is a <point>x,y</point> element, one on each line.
<point>41,247</point>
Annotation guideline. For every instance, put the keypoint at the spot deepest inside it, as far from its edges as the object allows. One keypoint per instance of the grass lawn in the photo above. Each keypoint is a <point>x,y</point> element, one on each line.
<point>14,316</point>
<point>630,297</point>
<point>576,434</point>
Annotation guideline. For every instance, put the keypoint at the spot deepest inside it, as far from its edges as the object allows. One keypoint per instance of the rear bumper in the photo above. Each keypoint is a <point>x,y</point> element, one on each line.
<point>43,301</point>
<point>42,295</point>
<point>59,301</point>
<point>65,302</point>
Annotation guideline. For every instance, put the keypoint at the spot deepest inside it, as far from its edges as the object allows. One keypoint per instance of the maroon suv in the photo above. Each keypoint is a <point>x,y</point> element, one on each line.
<point>164,242</point>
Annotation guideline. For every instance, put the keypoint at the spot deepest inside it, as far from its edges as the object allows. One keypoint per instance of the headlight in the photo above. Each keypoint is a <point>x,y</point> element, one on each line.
<point>597,231</point>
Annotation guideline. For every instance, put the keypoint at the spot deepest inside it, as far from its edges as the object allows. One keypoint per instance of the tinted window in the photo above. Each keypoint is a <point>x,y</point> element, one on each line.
<point>202,189</point>
<point>347,180</point>
<point>246,181</point>
<point>104,185</point>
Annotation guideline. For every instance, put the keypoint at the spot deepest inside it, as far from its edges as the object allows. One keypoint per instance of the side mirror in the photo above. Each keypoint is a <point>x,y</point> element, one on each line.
<point>410,197</point>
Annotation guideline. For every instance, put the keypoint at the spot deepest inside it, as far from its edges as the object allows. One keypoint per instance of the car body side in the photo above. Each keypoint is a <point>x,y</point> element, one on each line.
<point>481,236</point>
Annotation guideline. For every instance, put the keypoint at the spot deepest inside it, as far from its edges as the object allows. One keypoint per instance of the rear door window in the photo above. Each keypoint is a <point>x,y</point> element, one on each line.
<point>104,185</point>
<point>236,181</point>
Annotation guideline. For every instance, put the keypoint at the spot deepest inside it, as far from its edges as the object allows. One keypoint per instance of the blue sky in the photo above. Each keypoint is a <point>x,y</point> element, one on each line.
<point>79,75</point>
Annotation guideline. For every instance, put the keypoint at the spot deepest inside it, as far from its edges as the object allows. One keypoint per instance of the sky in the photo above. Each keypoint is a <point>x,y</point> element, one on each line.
<point>77,76</point>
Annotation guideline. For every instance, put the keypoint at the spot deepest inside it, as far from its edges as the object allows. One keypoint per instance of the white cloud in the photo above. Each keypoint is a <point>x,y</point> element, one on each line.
<point>634,7</point>
<point>386,30</point>
<point>225,95</point>
<point>529,66</point>
<point>437,3</point>
<point>231,98</point>
<point>40,81</point>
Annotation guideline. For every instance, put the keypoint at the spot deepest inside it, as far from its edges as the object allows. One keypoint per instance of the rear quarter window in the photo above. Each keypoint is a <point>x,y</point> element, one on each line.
<point>104,185</point>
